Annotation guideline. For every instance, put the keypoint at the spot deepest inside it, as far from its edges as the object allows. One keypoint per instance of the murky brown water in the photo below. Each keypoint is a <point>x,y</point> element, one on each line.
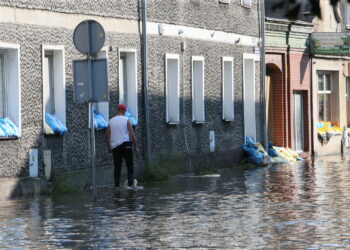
<point>302,206</point>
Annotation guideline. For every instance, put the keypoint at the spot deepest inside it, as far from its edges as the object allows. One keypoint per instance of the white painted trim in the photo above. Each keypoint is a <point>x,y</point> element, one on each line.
<point>247,56</point>
<point>231,60</point>
<point>256,57</point>
<point>134,51</point>
<point>246,6</point>
<point>64,20</point>
<point>110,24</point>
<point>200,59</point>
<point>15,67</point>
<point>201,34</point>
<point>175,57</point>
<point>59,80</point>
<point>102,107</point>
<point>9,46</point>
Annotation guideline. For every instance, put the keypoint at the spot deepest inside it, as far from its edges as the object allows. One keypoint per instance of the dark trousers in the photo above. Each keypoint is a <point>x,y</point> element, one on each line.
<point>123,151</point>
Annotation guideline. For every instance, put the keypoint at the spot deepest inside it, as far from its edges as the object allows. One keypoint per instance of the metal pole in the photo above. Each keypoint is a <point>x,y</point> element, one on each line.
<point>93,150</point>
<point>92,129</point>
<point>263,72</point>
<point>145,80</point>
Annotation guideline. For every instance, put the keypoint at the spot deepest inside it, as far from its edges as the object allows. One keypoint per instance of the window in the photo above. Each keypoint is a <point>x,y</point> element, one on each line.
<point>3,109</point>
<point>101,107</point>
<point>128,81</point>
<point>227,89</point>
<point>198,89</point>
<point>10,102</point>
<point>324,97</point>
<point>54,85</point>
<point>246,3</point>
<point>172,88</point>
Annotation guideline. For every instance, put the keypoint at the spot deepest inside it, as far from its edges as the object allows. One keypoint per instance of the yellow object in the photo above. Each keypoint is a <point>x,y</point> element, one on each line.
<point>48,130</point>
<point>287,154</point>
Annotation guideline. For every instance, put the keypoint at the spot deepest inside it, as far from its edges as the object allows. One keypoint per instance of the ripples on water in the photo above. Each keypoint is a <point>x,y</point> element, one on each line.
<point>301,206</point>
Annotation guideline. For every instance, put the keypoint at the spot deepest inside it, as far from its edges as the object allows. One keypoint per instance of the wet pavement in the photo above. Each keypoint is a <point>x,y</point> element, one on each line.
<point>302,206</point>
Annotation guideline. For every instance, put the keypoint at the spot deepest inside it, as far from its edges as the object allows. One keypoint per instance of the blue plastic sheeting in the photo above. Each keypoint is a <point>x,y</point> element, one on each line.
<point>7,127</point>
<point>99,121</point>
<point>255,159</point>
<point>254,156</point>
<point>271,151</point>
<point>131,118</point>
<point>55,124</point>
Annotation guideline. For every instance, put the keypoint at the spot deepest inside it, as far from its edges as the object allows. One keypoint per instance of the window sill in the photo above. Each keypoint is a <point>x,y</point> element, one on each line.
<point>198,122</point>
<point>9,138</point>
<point>53,135</point>
<point>173,123</point>
<point>228,120</point>
<point>246,7</point>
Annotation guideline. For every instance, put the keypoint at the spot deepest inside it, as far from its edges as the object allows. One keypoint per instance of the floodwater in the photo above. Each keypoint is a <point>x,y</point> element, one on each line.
<point>302,206</point>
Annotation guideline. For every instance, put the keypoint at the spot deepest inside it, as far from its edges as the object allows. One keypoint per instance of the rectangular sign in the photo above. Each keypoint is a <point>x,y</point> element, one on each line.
<point>330,43</point>
<point>99,81</point>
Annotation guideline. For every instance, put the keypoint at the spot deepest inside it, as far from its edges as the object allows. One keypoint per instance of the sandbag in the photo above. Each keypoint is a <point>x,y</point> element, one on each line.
<point>55,124</point>
<point>131,118</point>
<point>48,130</point>
<point>258,160</point>
<point>251,150</point>
<point>99,121</point>
<point>8,127</point>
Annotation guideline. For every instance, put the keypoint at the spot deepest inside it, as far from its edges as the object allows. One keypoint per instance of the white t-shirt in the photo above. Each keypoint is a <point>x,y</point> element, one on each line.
<point>119,130</point>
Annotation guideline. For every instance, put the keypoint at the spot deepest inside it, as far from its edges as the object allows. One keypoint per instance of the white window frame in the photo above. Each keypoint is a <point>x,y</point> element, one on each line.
<point>246,6</point>
<point>12,71</point>
<point>229,117</point>
<point>101,107</point>
<point>167,96</point>
<point>202,119</point>
<point>59,80</point>
<point>324,91</point>
<point>347,91</point>
<point>133,84</point>
<point>347,15</point>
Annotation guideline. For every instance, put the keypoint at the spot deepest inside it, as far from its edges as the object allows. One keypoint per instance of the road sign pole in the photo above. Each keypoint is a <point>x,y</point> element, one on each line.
<point>89,38</point>
<point>92,127</point>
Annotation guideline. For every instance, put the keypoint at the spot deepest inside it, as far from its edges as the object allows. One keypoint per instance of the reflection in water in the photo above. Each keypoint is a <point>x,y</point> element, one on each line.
<point>300,206</point>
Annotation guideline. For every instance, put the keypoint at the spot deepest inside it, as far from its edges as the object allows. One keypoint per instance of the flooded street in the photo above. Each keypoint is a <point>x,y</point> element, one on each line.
<point>299,206</point>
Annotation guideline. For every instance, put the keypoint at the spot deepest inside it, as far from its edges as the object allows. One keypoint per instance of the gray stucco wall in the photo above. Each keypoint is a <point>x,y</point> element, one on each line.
<point>208,14</point>
<point>72,151</point>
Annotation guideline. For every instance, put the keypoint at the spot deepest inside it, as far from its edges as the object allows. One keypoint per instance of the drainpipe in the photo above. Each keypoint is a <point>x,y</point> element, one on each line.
<point>145,80</point>
<point>263,72</point>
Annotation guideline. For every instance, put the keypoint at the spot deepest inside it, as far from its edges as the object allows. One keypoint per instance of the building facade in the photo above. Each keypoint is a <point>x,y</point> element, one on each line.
<point>330,77</point>
<point>203,79</point>
<point>288,83</point>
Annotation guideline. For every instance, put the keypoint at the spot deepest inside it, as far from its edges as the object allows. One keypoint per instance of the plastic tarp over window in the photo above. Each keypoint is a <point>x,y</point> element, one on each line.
<point>8,128</point>
<point>131,118</point>
<point>99,121</point>
<point>55,124</point>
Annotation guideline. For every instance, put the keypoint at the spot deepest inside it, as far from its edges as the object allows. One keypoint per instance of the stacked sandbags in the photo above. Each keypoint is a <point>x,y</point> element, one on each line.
<point>55,124</point>
<point>255,152</point>
<point>8,128</point>
<point>99,121</point>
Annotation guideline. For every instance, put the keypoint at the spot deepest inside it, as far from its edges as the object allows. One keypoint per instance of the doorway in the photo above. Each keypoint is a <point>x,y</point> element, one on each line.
<point>298,121</point>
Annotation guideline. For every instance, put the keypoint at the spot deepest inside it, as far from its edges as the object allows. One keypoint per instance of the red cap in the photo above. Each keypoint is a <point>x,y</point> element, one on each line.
<point>121,107</point>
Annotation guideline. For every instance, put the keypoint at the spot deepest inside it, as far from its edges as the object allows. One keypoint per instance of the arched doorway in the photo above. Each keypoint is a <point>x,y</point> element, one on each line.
<point>274,105</point>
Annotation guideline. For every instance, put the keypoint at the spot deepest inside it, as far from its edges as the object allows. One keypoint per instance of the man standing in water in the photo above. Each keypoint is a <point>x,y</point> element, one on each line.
<point>120,137</point>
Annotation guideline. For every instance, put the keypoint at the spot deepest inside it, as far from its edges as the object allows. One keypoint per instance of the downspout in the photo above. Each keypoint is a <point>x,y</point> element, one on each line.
<point>145,80</point>
<point>263,72</point>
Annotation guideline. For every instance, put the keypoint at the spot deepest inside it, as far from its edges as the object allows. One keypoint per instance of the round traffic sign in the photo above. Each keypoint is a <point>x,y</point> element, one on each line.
<point>89,37</point>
